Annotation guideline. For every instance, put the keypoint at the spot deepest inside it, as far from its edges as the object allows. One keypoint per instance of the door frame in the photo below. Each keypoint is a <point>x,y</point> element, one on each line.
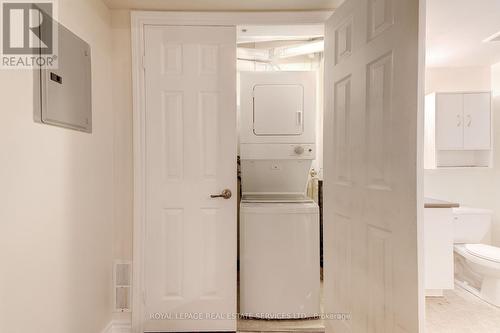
<point>139,20</point>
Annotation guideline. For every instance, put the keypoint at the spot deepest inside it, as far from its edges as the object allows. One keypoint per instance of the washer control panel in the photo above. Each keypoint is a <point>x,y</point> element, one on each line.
<point>278,151</point>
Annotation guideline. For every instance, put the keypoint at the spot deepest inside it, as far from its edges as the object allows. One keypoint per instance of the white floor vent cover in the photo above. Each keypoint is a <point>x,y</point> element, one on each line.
<point>122,274</point>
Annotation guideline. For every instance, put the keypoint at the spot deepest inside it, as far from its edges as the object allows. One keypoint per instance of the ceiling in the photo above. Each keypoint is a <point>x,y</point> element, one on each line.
<point>456,30</point>
<point>265,33</point>
<point>223,5</point>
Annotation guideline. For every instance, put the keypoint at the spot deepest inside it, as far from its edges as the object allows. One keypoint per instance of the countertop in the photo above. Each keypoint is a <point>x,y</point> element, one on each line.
<point>434,203</point>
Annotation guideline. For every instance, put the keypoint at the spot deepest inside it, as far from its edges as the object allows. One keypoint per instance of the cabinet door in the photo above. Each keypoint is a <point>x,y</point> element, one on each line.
<point>438,248</point>
<point>477,123</point>
<point>449,122</point>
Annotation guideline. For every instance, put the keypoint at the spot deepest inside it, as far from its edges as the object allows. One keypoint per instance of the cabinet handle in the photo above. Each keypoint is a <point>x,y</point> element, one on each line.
<point>459,122</point>
<point>469,122</point>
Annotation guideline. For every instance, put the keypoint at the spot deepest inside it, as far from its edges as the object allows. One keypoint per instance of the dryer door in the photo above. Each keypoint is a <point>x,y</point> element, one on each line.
<point>278,109</point>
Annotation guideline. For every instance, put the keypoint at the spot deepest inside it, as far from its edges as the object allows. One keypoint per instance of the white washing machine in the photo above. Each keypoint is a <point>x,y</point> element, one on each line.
<point>279,258</point>
<point>279,225</point>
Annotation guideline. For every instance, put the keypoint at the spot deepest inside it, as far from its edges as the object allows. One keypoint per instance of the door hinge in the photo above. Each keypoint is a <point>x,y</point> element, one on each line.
<point>143,60</point>
<point>144,297</point>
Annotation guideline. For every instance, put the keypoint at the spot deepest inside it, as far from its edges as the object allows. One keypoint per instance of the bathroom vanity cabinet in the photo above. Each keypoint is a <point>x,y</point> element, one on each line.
<point>438,246</point>
<point>457,129</point>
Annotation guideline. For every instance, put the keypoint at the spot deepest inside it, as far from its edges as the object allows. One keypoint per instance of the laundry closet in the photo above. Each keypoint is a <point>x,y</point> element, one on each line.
<point>279,220</point>
<point>279,224</point>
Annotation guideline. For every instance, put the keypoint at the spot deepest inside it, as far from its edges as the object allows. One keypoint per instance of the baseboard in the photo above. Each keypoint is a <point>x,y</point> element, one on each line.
<point>108,328</point>
<point>434,293</point>
<point>122,326</point>
<point>118,326</point>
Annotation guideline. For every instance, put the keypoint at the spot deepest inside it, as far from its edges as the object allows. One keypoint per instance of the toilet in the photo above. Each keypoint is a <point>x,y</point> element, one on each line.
<point>477,263</point>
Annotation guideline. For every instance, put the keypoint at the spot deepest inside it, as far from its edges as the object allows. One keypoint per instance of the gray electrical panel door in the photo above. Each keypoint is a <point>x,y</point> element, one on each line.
<point>63,96</point>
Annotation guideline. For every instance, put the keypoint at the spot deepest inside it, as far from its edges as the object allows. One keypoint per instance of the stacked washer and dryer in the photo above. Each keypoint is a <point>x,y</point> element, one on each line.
<point>279,224</point>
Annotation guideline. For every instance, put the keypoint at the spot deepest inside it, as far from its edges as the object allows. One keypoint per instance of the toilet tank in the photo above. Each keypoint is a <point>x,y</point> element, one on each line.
<point>472,225</point>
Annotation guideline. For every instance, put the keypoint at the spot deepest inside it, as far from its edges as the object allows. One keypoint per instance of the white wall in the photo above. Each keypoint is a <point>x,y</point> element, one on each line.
<point>123,139</point>
<point>123,149</point>
<point>457,79</point>
<point>495,87</point>
<point>56,199</point>
<point>476,187</point>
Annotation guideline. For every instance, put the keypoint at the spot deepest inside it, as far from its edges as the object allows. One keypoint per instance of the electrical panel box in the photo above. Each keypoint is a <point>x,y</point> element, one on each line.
<point>63,96</point>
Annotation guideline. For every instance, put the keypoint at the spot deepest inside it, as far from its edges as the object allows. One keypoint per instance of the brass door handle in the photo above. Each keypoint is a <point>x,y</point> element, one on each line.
<point>226,194</point>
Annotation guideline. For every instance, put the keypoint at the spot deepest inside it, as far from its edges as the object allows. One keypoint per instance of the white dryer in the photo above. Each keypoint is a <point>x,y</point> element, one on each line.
<point>278,107</point>
<point>279,225</point>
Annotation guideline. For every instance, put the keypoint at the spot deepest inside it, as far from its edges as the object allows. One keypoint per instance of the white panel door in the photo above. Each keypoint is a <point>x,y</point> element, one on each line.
<point>190,247</point>
<point>477,122</point>
<point>449,122</point>
<point>370,161</point>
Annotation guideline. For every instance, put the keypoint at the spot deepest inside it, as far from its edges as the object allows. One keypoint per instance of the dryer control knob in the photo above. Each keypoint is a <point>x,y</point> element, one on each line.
<point>299,150</point>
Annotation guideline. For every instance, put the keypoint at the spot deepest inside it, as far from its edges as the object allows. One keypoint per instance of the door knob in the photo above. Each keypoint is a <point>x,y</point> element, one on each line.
<point>226,194</point>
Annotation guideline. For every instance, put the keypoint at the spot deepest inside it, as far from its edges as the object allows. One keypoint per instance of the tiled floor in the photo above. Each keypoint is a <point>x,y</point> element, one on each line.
<point>261,326</point>
<point>457,312</point>
<point>461,312</point>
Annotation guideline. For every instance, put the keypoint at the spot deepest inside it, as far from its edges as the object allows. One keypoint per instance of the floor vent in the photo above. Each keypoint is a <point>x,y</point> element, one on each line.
<point>122,276</point>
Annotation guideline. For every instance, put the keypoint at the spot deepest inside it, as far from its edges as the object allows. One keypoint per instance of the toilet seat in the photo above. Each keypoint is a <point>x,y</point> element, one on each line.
<point>484,251</point>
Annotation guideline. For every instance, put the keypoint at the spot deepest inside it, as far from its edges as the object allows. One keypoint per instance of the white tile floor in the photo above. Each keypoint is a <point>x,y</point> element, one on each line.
<point>264,326</point>
<point>457,312</point>
<point>461,312</point>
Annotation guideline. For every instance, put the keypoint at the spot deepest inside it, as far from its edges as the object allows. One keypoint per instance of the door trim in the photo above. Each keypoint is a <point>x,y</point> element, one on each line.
<point>139,20</point>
